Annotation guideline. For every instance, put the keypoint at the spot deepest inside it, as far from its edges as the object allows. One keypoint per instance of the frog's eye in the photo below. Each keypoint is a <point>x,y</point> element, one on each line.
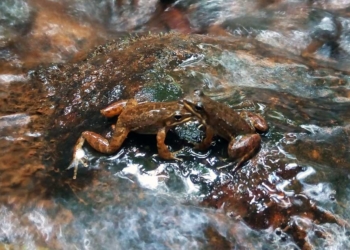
<point>199,106</point>
<point>177,117</point>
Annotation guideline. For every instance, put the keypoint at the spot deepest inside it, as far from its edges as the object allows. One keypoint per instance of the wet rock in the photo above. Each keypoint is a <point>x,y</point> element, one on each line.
<point>328,28</point>
<point>36,31</point>
<point>324,146</point>
<point>176,20</point>
<point>15,20</point>
<point>44,112</point>
<point>117,16</point>
<point>63,96</point>
<point>264,201</point>
<point>56,36</point>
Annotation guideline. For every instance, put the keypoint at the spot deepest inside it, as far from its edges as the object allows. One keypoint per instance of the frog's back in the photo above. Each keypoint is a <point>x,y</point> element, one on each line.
<point>225,121</point>
<point>147,118</point>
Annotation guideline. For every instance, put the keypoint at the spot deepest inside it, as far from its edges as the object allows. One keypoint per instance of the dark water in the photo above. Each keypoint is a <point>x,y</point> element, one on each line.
<point>290,63</point>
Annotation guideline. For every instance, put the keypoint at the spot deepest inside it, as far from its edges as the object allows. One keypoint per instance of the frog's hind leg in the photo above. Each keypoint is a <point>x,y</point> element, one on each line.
<point>97,142</point>
<point>255,120</point>
<point>78,156</point>
<point>116,108</point>
<point>242,150</point>
<point>101,144</point>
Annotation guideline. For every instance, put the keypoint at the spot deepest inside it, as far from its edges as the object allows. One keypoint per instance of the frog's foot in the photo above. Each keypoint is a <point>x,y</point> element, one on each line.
<point>235,165</point>
<point>164,153</point>
<point>169,155</point>
<point>75,164</point>
<point>178,159</point>
<point>174,154</point>
<point>206,142</point>
<point>163,150</point>
<point>78,157</point>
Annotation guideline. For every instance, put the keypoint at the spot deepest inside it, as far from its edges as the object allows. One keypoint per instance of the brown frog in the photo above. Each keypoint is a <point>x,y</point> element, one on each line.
<point>144,118</point>
<point>237,128</point>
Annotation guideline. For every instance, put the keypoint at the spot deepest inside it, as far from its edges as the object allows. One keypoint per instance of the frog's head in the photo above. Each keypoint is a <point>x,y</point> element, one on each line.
<point>195,103</point>
<point>179,117</point>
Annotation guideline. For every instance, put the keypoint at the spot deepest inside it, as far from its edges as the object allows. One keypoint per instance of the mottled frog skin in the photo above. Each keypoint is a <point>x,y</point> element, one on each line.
<point>239,128</point>
<point>144,118</point>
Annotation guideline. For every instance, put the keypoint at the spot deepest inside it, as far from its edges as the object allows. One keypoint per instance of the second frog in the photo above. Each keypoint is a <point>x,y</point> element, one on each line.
<point>239,128</point>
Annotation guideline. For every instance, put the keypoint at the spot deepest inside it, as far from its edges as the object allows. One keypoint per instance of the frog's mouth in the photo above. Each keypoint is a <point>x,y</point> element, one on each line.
<point>185,118</point>
<point>190,108</point>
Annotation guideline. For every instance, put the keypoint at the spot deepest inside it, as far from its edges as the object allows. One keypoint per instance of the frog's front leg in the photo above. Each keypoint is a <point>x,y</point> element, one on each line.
<point>243,149</point>
<point>163,150</point>
<point>255,120</point>
<point>206,142</point>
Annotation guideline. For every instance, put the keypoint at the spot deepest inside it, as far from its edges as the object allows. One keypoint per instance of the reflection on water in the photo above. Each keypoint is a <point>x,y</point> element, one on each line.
<point>288,60</point>
<point>136,219</point>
